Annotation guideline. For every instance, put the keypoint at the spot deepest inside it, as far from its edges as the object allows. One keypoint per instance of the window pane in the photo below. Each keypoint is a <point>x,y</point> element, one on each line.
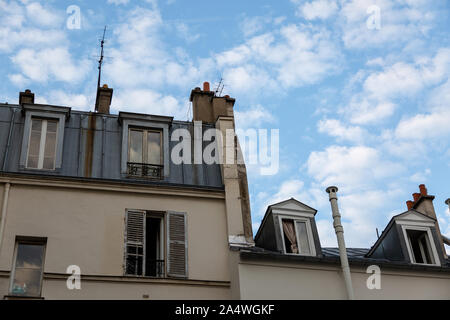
<point>29,256</point>
<point>303,238</point>
<point>34,143</point>
<point>36,125</point>
<point>49,152</point>
<point>154,148</point>
<point>27,282</point>
<point>136,146</point>
<point>51,126</point>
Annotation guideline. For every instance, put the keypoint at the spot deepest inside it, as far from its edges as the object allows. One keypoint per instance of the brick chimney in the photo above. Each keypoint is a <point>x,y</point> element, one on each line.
<point>26,97</point>
<point>207,107</point>
<point>423,203</point>
<point>103,100</point>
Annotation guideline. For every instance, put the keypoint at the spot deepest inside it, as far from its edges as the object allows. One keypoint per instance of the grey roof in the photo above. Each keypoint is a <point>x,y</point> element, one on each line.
<point>356,256</point>
<point>106,155</point>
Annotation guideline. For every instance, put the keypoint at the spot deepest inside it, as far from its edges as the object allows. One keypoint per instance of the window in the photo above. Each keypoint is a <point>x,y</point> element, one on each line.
<point>27,274</point>
<point>144,153</point>
<point>419,246</point>
<point>146,240</point>
<point>42,144</point>
<point>297,236</point>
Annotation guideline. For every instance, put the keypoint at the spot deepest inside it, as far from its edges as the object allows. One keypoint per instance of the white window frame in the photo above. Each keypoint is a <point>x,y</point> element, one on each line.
<point>145,132</point>
<point>42,142</point>
<point>13,270</point>
<point>429,240</point>
<point>309,232</point>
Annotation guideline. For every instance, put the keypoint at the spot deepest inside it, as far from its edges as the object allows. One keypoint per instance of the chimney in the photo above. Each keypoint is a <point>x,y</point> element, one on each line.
<point>409,204</point>
<point>207,107</point>
<point>423,190</point>
<point>103,100</point>
<point>26,97</point>
<point>416,196</point>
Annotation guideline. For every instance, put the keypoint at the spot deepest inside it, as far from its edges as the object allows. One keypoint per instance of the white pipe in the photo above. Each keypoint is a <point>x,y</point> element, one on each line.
<point>341,242</point>
<point>4,207</point>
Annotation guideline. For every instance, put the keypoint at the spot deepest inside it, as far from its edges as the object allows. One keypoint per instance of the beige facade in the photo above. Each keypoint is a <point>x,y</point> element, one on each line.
<point>288,280</point>
<point>84,226</point>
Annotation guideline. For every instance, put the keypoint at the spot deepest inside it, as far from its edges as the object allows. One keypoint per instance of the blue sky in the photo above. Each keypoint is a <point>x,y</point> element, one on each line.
<point>363,108</point>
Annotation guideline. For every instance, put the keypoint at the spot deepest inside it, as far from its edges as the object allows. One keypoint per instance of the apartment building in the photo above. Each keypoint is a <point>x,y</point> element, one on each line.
<point>97,193</point>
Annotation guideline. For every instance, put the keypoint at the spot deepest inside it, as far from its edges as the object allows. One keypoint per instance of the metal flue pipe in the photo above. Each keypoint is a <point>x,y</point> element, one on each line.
<point>341,242</point>
<point>4,211</point>
<point>444,238</point>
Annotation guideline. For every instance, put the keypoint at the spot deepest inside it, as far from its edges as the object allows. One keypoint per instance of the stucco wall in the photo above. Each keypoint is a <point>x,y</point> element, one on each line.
<point>261,280</point>
<point>86,228</point>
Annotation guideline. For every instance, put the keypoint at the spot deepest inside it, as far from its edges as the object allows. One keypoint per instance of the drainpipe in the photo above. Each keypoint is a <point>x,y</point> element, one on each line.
<point>4,207</point>
<point>11,127</point>
<point>341,242</point>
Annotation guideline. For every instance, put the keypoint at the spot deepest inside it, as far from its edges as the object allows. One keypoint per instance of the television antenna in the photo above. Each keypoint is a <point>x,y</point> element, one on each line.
<point>100,61</point>
<point>219,88</point>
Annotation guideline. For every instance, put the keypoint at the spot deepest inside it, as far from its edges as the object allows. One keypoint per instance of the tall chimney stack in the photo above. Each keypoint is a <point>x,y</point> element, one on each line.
<point>26,97</point>
<point>103,100</point>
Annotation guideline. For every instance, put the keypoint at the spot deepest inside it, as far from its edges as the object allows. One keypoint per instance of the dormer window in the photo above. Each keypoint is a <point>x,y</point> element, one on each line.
<point>297,236</point>
<point>144,153</point>
<point>421,247</point>
<point>42,146</point>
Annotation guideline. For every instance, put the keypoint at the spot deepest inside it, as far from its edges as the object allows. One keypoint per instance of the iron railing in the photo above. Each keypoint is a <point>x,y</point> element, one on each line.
<point>145,170</point>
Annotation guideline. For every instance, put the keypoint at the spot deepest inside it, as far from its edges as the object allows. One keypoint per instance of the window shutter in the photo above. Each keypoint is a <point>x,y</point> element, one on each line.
<point>134,242</point>
<point>176,245</point>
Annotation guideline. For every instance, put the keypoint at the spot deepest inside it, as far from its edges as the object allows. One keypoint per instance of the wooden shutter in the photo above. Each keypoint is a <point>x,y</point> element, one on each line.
<point>135,239</point>
<point>176,245</point>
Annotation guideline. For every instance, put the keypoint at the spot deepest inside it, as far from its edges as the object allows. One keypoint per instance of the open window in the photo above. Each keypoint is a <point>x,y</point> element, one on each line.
<point>297,236</point>
<point>148,233</point>
<point>26,278</point>
<point>420,247</point>
<point>145,155</point>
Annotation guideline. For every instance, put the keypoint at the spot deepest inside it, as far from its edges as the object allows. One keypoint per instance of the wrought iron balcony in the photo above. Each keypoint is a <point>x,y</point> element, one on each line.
<point>145,170</point>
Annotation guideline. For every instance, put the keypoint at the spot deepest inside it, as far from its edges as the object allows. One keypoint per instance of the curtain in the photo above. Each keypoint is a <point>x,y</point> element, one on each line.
<point>289,231</point>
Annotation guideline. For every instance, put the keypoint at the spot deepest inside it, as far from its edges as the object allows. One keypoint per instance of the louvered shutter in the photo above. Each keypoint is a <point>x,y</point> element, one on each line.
<point>134,242</point>
<point>176,245</point>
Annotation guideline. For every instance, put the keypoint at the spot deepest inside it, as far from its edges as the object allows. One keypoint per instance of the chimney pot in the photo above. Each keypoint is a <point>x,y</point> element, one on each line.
<point>423,190</point>
<point>416,196</point>
<point>206,86</point>
<point>409,204</point>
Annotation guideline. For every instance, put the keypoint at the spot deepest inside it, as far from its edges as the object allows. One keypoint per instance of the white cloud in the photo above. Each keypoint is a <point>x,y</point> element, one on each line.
<point>118,2</point>
<point>74,100</point>
<point>318,9</point>
<point>185,33</point>
<point>44,16</point>
<point>50,64</point>
<point>253,117</point>
<point>352,168</point>
<point>336,129</point>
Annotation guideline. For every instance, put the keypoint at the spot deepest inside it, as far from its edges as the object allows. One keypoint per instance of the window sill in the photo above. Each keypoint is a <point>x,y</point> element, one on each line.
<point>13,297</point>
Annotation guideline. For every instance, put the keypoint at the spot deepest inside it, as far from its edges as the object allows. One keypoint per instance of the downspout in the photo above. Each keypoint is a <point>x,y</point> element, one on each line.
<point>444,238</point>
<point>341,242</point>
<point>4,207</point>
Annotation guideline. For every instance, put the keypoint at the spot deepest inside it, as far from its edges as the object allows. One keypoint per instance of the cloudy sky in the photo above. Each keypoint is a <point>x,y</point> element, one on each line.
<point>362,103</point>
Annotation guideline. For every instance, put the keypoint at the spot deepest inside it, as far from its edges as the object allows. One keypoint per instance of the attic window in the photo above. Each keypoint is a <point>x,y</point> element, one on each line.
<point>420,247</point>
<point>297,236</point>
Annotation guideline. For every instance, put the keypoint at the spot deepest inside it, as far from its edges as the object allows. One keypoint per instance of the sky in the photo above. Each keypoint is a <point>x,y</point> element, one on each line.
<point>359,90</point>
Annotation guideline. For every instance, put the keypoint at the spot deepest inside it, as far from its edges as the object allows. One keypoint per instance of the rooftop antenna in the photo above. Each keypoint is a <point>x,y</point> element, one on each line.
<point>219,89</point>
<point>100,61</point>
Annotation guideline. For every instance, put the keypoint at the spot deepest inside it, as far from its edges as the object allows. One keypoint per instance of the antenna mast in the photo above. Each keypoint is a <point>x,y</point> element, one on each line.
<point>100,62</point>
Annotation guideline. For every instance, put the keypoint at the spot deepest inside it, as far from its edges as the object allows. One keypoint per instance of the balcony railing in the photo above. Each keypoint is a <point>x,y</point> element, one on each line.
<point>155,268</point>
<point>144,170</point>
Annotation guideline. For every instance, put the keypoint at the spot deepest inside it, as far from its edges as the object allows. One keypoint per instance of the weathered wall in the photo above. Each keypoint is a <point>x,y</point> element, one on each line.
<point>85,227</point>
<point>260,280</point>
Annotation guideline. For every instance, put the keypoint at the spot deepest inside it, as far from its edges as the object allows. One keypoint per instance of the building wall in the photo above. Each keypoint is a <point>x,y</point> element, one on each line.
<point>84,224</point>
<point>259,280</point>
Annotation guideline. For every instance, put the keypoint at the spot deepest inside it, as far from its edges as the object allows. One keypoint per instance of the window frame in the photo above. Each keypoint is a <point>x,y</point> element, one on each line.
<point>429,240</point>
<point>295,219</point>
<point>42,143</point>
<point>29,241</point>
<point>162,239</point>
<point>59,114</point>
<point>145,132</point>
